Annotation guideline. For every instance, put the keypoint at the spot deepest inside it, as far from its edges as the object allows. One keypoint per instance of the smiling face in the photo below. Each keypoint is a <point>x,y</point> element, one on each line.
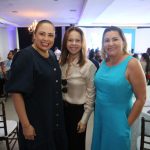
<point>113,43</point>
<point>74,43</point>
<point>44,36</point>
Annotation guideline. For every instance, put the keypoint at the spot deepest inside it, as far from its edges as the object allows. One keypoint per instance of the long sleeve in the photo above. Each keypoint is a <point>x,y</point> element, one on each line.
<point>90,93</point>
<point>80,86</point>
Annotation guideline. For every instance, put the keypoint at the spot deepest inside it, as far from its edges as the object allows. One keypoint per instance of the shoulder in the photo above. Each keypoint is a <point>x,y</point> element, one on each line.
<point>133,63</point>
<point>25,52</point>
<point>25,55</point>
<point>134,67</point>
<point>88,66</point>
<point>89,63</point>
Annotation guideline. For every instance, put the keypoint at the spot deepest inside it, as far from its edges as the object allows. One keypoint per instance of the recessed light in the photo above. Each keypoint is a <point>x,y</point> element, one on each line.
<point>73,10</point>
<point>14,11</point>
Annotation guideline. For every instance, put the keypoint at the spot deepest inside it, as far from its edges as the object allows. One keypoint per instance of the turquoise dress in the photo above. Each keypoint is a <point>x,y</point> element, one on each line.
<point>112,107</point>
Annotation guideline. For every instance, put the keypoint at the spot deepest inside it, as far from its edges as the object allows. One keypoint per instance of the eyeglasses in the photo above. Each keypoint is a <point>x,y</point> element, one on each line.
<point>64,84</point>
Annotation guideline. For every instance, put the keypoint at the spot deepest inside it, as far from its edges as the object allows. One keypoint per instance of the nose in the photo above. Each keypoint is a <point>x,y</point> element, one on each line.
<point>46,37</point>
<point>110,42</point>
<point>74,42</point>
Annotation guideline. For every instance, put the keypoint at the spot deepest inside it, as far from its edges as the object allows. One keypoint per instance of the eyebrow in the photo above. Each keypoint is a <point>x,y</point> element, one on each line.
<point>50,33</point>
<point>112,37</point>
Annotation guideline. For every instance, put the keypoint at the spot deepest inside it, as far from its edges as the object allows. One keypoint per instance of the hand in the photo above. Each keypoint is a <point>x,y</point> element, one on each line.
<point>81,127</point>
<point>29,132</point>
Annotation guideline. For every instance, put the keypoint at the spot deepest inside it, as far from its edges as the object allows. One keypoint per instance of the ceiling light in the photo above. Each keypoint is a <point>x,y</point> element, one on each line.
<point>32,27</point>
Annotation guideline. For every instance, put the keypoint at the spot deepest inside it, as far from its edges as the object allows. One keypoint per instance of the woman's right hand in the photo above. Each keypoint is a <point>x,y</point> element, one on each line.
<point>29,132</point>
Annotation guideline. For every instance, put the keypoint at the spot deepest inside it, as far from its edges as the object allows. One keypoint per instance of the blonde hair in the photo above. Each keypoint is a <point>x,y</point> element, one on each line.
<point>121,34</point>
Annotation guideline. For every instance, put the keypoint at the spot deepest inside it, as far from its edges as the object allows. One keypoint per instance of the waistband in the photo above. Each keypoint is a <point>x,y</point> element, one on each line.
<point>67,104</point>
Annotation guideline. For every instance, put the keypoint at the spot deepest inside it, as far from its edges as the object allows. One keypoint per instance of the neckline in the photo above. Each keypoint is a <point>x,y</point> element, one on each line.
<point>74,61</point>
<point>116,64</point>
<point>39,52</point>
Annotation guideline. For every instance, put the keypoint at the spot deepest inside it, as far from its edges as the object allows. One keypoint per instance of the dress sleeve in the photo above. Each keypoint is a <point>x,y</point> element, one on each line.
<point>21,73</point>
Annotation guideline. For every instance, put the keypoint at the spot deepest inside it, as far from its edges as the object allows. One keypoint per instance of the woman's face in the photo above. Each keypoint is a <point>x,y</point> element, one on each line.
<point>74,43</point>
<point>113,43</point>
<point>10,55</point>
<point>44,37</point>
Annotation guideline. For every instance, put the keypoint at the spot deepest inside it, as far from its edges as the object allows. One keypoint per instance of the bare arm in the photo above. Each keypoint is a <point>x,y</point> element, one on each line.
<point>136,77</point>
<point>20,109</point>
<point>28,130</point>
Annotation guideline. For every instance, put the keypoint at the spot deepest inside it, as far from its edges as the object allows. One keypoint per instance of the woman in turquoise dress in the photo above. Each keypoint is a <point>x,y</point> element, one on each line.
<point>118,78</point>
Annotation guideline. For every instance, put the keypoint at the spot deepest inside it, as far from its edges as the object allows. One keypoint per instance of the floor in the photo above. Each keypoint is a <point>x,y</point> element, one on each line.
<point>11,114</point>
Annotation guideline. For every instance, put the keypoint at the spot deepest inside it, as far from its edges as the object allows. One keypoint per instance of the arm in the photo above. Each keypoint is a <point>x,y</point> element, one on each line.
<point>90,97</point>
<point>136,77</point>
<point>28,130</point>
<point>3,69</point>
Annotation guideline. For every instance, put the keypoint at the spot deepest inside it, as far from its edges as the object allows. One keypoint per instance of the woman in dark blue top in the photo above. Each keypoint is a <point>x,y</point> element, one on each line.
<point>35,84</point>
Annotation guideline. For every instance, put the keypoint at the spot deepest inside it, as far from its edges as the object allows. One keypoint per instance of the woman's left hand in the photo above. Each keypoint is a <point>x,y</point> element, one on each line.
<point>81,127</point>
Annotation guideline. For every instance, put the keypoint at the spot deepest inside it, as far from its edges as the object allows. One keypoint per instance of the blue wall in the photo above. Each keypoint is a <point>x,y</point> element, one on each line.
<point>132,32</point>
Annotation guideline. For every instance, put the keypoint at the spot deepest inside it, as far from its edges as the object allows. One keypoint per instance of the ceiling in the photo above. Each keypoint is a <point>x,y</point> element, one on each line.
<point>21,13</point>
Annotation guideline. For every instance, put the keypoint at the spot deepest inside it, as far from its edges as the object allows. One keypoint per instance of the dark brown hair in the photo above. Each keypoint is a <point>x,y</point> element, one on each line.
<point>41,22</point>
